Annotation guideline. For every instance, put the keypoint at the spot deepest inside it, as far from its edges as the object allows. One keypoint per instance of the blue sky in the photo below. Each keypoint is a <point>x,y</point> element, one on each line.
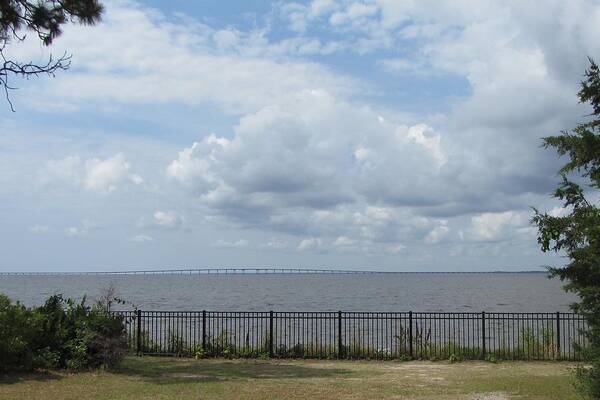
<point>389,135</point>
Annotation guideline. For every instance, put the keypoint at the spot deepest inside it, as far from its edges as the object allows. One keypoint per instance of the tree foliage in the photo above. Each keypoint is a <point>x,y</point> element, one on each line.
<point>577,233</point>
<point>45,18</point>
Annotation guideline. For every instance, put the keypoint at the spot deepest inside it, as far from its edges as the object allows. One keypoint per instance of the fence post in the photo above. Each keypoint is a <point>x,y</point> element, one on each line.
<point>410,334</point>
<point>558,334</point>
<point>139,333</point>
<point>339,334</point>
<point>270,333</point>
<point>483,333</point>
<point>204,331</point>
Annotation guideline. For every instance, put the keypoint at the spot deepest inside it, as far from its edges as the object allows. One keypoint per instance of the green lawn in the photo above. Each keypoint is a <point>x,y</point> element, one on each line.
<point>173,378</point>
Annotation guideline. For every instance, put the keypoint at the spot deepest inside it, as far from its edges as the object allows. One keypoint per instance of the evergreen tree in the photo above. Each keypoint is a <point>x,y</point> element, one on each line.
<point>577,234</point>
<point>45,19</point>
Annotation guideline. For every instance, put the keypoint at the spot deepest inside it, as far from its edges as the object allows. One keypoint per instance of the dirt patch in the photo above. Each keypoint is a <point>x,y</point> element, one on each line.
<point>421,366</point>
<point>192,377</point>
<point>490,396</point>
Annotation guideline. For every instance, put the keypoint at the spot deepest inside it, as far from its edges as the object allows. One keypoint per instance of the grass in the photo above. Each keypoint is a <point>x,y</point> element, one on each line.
<point>178,378</point>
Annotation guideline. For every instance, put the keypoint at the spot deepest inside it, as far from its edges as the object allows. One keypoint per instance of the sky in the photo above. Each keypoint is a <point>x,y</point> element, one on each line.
<point>387,135</point>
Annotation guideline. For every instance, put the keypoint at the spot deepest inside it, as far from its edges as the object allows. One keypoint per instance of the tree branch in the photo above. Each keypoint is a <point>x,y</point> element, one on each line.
<point>27,70</point>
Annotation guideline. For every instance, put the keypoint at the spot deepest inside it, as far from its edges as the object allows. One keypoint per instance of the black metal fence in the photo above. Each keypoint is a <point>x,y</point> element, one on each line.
<point>354,335</point>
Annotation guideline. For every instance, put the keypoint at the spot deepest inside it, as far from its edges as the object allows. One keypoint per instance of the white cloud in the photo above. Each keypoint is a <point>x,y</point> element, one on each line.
<point>89,225</point>
<point>355,13</point>
<point>141,238</point>
<point>104,175</point>
<point>426,136</point>
<point>95,174</point>
<point>439,233</point>
<point>560,211</point>
<point>277,164</point>
<point>275,244</point>
<point>39,229</point>
<point>225,244</point>
<point>238,71</point>
<point>300,15</point>
<point>74,231</point>
<point>226,38</point>
<point>136,179</point>
<point>83,228</point>
<point>495,226</point>
<point>188,167</point>
<point>344,241</point>
<point>310,244</point>
<point>395,248</point>
<point>168,219</point>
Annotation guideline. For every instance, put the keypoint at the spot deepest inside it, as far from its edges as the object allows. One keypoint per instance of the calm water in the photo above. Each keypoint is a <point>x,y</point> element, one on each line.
<point>522,292</point>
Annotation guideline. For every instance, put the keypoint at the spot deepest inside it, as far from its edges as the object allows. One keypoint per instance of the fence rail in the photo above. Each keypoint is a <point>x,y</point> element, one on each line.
<point>354,335</point>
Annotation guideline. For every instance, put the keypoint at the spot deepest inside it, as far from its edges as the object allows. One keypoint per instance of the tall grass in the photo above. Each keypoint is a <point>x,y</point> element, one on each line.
<point>529,345</point>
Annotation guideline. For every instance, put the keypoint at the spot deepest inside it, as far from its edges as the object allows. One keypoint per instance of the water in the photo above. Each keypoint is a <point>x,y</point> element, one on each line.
<point>507,292</point>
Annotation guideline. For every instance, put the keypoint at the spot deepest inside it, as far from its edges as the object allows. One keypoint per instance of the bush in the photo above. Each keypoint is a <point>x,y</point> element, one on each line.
<point>588,380</point>
<point>59,334</point>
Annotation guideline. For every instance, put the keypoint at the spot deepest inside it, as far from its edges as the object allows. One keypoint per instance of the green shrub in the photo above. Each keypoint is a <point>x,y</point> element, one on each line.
<point>588,380</point>
<point>199,352</point>
<point>176,344</point>
<point>16,333</point>
<point>491,358</point>
<point>59,334</point>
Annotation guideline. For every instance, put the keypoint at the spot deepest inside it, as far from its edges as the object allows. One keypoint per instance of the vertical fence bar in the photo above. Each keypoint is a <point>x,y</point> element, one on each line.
<point>558,334</point>
<point>339,334</point>
<point>270,333</point>
<point>410,335</point>
<point>483,333</point>
<point>204,331</point>
<point>139,333</point>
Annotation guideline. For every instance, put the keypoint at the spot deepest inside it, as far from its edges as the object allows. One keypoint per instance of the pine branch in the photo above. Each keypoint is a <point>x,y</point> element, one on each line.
<point>28,70</point>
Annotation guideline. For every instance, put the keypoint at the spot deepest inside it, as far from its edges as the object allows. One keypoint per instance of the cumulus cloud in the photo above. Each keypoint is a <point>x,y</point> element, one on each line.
<point>438,233</point>
<point>395,249</point>
<point>310,244</point>
<point>104,175</point>
<point>495,226</point>
<point>141,238</point>
<point>40,229</point>
<point>335,154</point>
<point>95,174</point>
<point>275,244</point>
<point>74,231</point>
<point>226,244</point>
<point>560,211</point>
<point>83,228</point>
<point>322,174</point>
<point>344,241</point>
<point>166,220</point>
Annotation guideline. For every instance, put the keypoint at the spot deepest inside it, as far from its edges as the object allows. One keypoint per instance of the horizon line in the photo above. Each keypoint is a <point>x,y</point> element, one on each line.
<point>272,270</point>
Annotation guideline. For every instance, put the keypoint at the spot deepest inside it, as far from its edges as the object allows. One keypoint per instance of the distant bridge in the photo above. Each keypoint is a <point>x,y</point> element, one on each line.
<point>201,271</point>
<point>192,271</point>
